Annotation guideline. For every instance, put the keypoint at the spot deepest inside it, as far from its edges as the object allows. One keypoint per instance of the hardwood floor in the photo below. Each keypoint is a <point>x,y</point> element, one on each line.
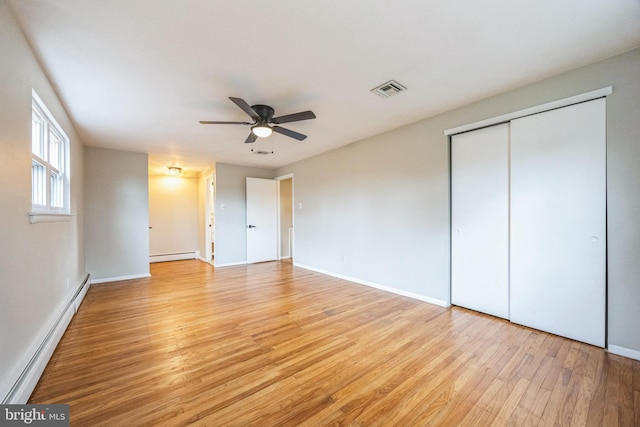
<point>275,345</point>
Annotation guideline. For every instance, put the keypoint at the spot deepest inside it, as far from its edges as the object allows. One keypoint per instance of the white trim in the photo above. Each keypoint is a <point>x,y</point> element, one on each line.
<point>289,243</point>
<point>278,223</point>
<point>622,351</point>
<point>52,126</point>
<point>36,358</point>
<point>283,177</point>
<point>48,113</point>
<point>230,264</point>
<point>588,96</point>
<point>120,278</point>
<point>40,217</point>
<point>396,291</point>
<point>174,257</point>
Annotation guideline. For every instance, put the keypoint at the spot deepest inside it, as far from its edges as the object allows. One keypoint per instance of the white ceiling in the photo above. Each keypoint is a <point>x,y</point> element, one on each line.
<point>138,75</point>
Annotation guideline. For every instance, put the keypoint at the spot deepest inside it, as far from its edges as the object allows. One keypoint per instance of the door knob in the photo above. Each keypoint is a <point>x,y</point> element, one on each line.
<point>251,226</point>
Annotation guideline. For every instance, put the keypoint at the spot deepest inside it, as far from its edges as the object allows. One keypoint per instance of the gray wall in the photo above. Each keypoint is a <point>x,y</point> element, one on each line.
<point>383,203</point>
<point>41,265</point>
<point>230,211</point>
<point>382,206</point>
<point>117,213</point>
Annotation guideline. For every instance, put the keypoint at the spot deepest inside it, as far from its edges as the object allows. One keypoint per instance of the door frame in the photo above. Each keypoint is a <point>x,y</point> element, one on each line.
<point>293,215</point>
<point>208,210</point>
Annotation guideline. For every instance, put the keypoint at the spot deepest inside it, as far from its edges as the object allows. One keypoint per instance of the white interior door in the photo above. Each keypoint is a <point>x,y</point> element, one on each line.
<point>262,220</point>
<point>558,208</point>
<point>480,220</point>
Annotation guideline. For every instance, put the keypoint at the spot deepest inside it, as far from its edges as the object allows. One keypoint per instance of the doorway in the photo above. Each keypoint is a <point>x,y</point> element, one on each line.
<point>262,220</point>
<point>285,202</point>
<point>210,219</point>
<point>270,219</point>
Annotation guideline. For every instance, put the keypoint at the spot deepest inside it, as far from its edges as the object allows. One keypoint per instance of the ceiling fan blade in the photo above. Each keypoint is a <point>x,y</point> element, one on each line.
<point>213,122</point>
<point>289,133</point>
<point>296,117</point>
<point>251,138</point>
<point>245,107</point>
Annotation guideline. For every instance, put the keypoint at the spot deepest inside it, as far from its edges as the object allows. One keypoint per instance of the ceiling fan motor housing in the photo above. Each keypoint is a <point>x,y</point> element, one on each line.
<point>264,111</point>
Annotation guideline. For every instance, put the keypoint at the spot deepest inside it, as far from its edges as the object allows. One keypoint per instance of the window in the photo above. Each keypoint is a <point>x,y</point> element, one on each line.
<point>49,162</point>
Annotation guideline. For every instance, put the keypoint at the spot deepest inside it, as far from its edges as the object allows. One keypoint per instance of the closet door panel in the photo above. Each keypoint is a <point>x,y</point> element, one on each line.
<point>480,220</point>
<point>558,221</point>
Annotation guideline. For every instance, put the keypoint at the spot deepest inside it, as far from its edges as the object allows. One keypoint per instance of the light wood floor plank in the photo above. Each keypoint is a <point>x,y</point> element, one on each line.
<point>275,345</point>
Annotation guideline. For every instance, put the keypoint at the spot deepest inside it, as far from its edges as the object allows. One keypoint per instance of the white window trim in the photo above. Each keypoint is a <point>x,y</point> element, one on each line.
<point>39,217</point>
<point>47,213</point>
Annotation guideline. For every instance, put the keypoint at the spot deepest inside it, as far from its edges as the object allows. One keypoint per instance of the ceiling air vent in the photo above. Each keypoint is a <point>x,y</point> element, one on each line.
<point>388,89</point>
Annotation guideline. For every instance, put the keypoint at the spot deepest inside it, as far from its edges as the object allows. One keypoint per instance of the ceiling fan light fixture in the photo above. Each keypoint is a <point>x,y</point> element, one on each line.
<point>174,170</point>
<point>262,130</point>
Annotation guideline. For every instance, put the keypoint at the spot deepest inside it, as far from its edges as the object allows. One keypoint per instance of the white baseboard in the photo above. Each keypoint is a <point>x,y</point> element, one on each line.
<point>174,257</point>
<point>37,358</point>
<point>119,278</point>
<point>622,351</point>
<point>396,291</point>
<point>229,264</point>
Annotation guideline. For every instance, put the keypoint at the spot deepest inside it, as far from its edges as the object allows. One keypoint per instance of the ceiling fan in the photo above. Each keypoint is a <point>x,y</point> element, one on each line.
<point>263,120</point>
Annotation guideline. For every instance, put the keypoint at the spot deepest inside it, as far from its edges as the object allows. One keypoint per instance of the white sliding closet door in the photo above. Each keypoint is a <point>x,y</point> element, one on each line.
<point>558,221</point>
<point>480,220</point>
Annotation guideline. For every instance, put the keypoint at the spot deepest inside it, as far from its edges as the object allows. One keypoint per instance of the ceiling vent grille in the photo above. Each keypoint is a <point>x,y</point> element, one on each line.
<point>388,89</point>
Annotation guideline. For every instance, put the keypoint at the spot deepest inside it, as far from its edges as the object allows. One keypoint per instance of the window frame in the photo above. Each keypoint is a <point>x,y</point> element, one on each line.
<point>50,197</point>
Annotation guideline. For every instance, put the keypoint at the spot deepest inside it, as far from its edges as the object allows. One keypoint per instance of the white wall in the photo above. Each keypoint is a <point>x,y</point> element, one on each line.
<point>41,265</point>
<point>231,211</point>
<point>383,203</point>
<point>173,215</point>
<point>117,214</point>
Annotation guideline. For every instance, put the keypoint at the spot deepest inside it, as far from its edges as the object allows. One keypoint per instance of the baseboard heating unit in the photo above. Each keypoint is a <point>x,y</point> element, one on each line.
<point>36,360</point>
<point>174,256</point>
